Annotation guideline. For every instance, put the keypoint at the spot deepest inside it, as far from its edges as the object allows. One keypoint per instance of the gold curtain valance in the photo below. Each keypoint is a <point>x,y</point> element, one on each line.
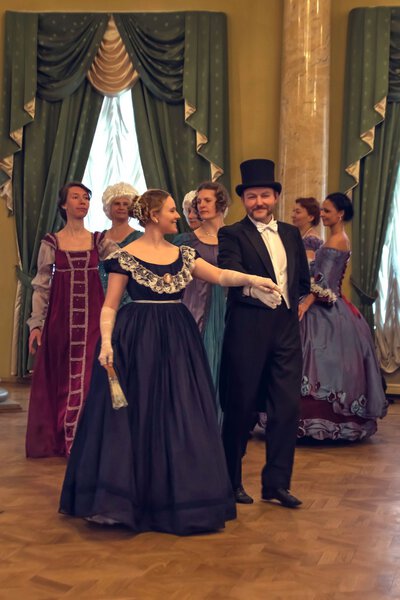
<point>112,71</point>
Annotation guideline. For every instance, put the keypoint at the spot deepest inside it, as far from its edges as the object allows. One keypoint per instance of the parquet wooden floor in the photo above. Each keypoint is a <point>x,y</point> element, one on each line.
<point>343,544</point>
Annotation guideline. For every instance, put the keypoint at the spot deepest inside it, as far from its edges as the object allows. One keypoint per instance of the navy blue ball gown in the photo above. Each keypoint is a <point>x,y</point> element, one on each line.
<point>157,464</point>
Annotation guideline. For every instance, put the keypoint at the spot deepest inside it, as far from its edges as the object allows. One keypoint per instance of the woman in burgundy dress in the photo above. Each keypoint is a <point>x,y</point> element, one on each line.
<point>64,325</point>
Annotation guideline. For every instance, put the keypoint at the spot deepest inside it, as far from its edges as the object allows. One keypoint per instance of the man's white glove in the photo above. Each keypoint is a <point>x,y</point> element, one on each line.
<point>230,278</point>
<point>270,298</point>
<point>107,320</point>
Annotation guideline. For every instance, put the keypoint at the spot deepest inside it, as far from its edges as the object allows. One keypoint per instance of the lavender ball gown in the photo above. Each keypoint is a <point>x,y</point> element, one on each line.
<point>342,393</point>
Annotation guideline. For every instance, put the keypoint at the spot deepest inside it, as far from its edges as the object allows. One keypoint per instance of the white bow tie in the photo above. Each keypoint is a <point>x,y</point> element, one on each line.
<point>272,226</point>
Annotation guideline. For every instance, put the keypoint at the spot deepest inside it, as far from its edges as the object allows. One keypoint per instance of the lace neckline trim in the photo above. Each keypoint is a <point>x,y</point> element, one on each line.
<point>160,284</point>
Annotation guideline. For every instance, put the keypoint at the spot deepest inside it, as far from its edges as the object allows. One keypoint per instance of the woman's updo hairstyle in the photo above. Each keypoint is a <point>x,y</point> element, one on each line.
<point>144,205</point>
<point>342,202</point>
<point>63,194</point>
<point>222,198</point>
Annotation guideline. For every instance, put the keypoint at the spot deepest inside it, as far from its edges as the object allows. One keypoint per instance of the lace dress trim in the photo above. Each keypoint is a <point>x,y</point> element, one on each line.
<point>323,294</point>
<point>160,284</point>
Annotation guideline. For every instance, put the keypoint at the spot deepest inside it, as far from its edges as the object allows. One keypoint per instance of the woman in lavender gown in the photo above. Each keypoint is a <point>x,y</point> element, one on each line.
<point>158,463</point>
<point>342,393</point>
<point>206,301</point>
<point>64,326</point>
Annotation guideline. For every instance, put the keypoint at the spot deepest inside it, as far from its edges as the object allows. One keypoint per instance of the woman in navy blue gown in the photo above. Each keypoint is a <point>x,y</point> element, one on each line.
<point>158,463</point>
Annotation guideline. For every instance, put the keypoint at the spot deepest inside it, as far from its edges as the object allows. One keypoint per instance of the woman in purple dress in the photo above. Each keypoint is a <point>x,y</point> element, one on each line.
<point>342,393</point>
<point>207,302</point>
<point>158,463</point>
<point>64,326</point>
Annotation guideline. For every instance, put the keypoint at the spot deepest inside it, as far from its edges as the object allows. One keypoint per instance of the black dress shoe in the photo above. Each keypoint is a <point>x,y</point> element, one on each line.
<point>241,497</point>
<point>283,496</point>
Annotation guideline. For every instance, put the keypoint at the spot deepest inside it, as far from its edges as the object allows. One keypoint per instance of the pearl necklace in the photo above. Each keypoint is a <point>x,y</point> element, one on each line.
<point>305,234</point>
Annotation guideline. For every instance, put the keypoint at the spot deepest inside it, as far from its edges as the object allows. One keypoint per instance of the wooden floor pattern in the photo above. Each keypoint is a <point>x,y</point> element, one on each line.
<point>343,544</point>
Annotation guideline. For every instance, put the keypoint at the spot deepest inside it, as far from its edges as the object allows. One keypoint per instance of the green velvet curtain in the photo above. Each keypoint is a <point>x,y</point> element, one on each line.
<point>56,148</point>
<point>181,99</point>
<point>19,87</point>
<point>56,137</point>
<point>50,113</point>
<point>166,146</point>
<point>371,140</point>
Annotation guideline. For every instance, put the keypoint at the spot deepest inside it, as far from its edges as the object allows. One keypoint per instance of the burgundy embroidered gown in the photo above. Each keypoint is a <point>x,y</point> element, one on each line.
<point>68,286</point>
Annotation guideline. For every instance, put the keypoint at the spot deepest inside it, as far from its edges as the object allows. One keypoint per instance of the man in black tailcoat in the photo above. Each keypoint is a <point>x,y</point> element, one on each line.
<point>261,363</point>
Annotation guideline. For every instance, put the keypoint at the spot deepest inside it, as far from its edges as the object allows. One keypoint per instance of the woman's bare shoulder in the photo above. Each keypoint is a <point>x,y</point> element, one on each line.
<point>339,241</point>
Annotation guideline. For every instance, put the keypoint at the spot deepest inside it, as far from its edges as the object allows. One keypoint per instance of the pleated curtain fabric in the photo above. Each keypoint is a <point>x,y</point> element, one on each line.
<point>56,138</point>
<point>181,98</point>
<point>371,140</point>
<point>19,90</point>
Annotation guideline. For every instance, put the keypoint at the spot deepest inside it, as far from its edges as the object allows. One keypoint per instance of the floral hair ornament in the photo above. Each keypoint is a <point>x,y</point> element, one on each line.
<point>137,210</point>
<point>118,190</point>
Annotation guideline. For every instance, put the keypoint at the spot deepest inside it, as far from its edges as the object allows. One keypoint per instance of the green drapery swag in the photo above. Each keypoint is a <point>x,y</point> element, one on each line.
<point>50,113</point>
<point>54,143</point>
<point>371,140</point>
<point>182,64</point>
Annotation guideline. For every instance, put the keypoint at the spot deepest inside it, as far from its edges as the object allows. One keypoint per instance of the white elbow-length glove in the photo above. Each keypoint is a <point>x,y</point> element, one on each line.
<point>270,298</point>
<point>230,278</point>
<point>107,320</point>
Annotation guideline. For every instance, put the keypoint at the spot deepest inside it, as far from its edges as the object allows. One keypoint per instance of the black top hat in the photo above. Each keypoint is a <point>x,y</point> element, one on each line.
<point>258,172</point>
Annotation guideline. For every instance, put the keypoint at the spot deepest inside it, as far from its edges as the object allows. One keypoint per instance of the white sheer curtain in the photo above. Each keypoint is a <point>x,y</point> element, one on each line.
<point>114,157</point>
<point>387,306</point>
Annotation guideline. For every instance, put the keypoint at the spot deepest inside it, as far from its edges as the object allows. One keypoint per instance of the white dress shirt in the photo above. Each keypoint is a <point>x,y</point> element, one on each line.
<point>277,253</point>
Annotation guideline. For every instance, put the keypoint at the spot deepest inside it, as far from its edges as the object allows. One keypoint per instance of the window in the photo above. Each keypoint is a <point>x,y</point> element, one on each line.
<point>387,306</point>
<point>114,157</point>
